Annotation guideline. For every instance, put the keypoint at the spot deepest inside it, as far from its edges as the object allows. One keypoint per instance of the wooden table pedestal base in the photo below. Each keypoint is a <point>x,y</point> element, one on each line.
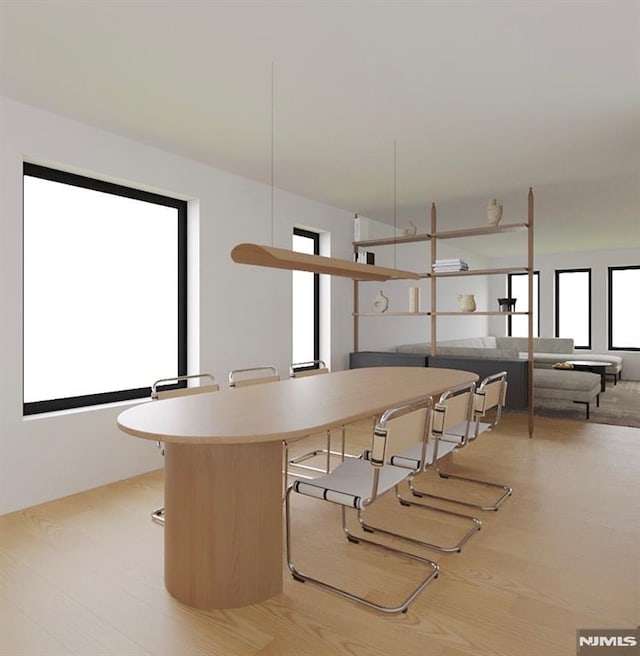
<point>238,488</point>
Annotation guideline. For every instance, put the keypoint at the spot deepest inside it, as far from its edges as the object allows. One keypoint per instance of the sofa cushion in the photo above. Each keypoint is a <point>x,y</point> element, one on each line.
<point>497,354</point>
<point>540,344</point>
<point>472,342</point>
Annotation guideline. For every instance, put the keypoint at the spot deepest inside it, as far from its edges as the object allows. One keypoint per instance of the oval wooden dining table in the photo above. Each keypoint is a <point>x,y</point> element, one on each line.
<point>223,470</point>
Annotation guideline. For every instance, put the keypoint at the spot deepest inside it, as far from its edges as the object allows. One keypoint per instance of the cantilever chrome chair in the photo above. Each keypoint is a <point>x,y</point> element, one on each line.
<point>453,407</point>
<point>253,376</point>
<point>303,370</point>
<point>257,376</point>
<point>309,368</point>
<point>490,395</point>
<point>167,388</point>
<point>357,483</point>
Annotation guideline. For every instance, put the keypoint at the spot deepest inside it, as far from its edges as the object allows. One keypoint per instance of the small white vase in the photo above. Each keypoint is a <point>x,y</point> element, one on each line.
<point>411,230</point>
<point>414,299</point>
<point>494,211</point>
<point>380,302</point>
<point>467,302</point>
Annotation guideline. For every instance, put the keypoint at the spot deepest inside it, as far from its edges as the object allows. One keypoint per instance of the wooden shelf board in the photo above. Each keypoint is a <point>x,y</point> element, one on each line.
<point>479,272</point>
<point>484,230</point>
<point>492,313</point>
<point>391,240</point>
<point>391,314</point>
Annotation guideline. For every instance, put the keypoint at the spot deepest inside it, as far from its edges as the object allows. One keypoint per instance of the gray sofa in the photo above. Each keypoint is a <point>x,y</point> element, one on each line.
<point>546,351</point>
<point>516,369</point>
<point>572,386</point>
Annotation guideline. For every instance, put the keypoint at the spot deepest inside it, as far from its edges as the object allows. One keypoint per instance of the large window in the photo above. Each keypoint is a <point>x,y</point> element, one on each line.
<point>624,309</point>
<point>518,288</point>
<point>105,275</point>
<point>306,301</point>
<point>573,306</point>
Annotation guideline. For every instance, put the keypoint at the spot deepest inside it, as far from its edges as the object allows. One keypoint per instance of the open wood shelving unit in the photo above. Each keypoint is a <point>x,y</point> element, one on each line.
<point>433,237</point>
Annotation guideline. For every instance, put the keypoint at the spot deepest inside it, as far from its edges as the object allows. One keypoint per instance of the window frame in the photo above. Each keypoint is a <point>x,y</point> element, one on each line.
<point>610,271</point>
<point>101,398</point>
<point>536,276</point>
<point>315,236</point>
<point>558,273</point>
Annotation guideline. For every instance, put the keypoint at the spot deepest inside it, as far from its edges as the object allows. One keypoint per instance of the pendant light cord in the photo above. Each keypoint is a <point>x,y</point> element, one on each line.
<point>272,157</point>
<point>395,231</point>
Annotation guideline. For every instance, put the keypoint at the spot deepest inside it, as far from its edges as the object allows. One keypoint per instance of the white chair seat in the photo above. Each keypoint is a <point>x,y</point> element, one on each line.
<point>457,433</point>
<point>490,394</point>
<point>351,483</point>
<point>356,483</point>
<point>411,458</point>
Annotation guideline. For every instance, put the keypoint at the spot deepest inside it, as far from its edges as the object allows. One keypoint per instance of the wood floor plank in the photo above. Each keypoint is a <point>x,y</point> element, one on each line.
<point>84,575</point>
<point>21,636</point>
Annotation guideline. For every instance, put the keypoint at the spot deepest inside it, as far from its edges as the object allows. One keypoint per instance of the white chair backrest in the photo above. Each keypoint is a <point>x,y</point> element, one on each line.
<point>401,427</point>
<point>158,395</point>
<point>253,376</point>
<point>310,368</point>
<point>453,413</point>
<point>491,393</point>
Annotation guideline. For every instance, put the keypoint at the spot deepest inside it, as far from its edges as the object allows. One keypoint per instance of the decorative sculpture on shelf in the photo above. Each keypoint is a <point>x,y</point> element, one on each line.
<point>414,299</point>
<point>467,302</point>
<point>494,211</point>
<point>507,304</point>
<point>380,302</point>
<point>411,230</point>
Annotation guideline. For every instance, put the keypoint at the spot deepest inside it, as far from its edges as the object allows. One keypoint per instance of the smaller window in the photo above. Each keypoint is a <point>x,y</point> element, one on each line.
<point>624,310</point>
<point>518,288</point>
<point>305,302</point>
<point>573,306</point>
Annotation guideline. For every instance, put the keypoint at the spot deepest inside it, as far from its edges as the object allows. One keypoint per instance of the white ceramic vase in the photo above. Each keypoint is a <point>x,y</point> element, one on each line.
<point>414,299</point>
<point>380,302</point>
<point>467,302</point>
<point>411,230</point>
<point>494,211</point>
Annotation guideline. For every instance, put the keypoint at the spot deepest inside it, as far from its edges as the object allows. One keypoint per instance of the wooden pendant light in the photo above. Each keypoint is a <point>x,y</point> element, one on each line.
<point>281,258</point>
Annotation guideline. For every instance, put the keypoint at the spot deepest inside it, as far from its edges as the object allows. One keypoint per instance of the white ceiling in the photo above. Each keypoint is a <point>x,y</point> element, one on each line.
<point>481,99</point>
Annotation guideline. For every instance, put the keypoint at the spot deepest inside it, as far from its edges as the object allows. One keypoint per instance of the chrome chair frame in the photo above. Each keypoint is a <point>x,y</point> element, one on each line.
<point>235,381</point>
<point>158,514</point>
<point>319,367</point>
<point>491,393</point>
<point>419,460</point>
<point>378,477</point>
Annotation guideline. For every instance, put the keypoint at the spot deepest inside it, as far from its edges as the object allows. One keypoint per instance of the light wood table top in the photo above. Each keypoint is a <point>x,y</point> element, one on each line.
<point>286,410</point>
<point>223,470</point>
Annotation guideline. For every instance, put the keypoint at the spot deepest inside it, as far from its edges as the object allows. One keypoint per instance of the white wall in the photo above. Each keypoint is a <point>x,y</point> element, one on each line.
<point>243,317</point>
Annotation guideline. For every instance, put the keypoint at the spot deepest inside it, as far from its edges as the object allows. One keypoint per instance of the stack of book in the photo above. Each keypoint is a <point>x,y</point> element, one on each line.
<point>452,264</point>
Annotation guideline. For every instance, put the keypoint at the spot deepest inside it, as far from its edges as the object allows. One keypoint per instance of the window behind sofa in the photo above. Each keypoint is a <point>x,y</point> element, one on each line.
<point>624,310</point>
<point>518,288</point>
<point>573,306</point>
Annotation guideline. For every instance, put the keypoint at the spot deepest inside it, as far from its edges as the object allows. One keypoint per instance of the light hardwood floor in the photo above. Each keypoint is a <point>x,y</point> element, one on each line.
<point>84,575</point>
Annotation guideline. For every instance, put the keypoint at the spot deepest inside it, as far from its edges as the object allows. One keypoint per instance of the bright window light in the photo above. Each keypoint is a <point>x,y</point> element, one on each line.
<point>573,306</point>
<point>305,302</point>
<point>624,309</point>
<point>518,288</point>
<point>101,294</point>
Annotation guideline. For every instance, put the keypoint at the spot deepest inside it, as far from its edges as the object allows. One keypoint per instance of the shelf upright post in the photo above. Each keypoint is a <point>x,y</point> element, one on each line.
<point>356,306</point>
<point>432,279</point>
<point>530,317</point>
